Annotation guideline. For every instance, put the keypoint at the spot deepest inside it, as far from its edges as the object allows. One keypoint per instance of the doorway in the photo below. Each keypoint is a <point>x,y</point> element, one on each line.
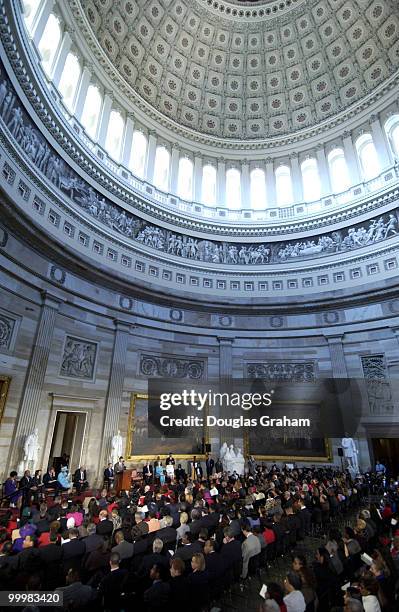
<point>387,451</point>
<point>67,440</point>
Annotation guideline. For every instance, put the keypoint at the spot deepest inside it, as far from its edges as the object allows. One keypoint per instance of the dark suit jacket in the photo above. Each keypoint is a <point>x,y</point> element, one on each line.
<point>52,553</point>
<point>186,552</point>
<point>166,534</point>
<point>125,549</point>
<point>179,593</point>
<point>50,481</point>
<point>108,473</point>
<point>157,596</point>
<point>209,465</point>
<point>92,542</point>
<point>231,552</point>
<point>150,560</point>
<point>76,476</point>
<point>148,470</point>
<point>111,587</point>
<point>105,528</point>
<point>72,552</point>
<point>215,565</point>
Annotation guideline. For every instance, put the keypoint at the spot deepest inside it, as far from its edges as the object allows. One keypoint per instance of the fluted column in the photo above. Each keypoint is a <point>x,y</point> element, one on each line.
<point>150,161</point>
<point>221,183</point>
<point>41,19</point>
<point>337,355</point>
<point>296,176</point>
<point>127,141</point>
<point>104,118</point>
<point>380,142</point>
<point>114,398</point>
<point>82,91</point>
<point>60,60</point>
<point>174,169</point>
<point>225,358</point>
<point>271,195</point>
<point>197,191</point>
<point>245,185</point>
<point>33,386</point>
<point>351,159</point>
<point>324,173</point>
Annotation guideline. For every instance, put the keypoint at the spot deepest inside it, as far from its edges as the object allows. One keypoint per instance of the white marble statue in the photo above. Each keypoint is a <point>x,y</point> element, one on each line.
<point>31,451</point>
<point>116,447</point>
<point>239,463</point>
<point>222,454</point>
<point>350,453</point>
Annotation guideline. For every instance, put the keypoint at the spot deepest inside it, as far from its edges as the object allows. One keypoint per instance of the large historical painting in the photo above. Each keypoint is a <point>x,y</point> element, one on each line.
<point>4,386</point>
<point>290,443</point>
<point>142,444</point>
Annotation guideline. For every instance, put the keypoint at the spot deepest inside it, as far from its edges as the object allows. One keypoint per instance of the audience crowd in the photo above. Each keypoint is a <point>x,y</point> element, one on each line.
<point>190,544</point>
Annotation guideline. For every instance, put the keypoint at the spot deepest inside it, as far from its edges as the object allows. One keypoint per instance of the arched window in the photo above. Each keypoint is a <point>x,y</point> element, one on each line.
<point>114,137</point>
<point>185,179</point>
<point>30,10</point>
<point>69,80</point>
<point>49,42</point>
<point>392,132</point>
<point>258,189</point>
<point>284,186</point>
<point>91,110</point>
<point>310,180</point>
<point>233,188</point>
<point>138,153</point>
<point>339,174</point>
<point>368,157</point>
<point>209,185</point>
<point>161,168</point>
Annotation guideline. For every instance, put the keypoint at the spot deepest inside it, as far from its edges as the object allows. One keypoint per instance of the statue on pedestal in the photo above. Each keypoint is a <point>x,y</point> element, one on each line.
<point>116,447</point>
<point>350,453</point>
<point>232,461</point>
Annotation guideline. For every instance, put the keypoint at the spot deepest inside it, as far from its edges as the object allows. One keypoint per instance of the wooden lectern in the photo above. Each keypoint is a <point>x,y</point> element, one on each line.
<point>123,481</point>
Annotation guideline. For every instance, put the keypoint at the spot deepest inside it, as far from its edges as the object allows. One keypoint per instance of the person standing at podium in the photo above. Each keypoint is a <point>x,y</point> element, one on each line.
<point>119,466</point>
<point>148,472</point>
<point>170,467</point>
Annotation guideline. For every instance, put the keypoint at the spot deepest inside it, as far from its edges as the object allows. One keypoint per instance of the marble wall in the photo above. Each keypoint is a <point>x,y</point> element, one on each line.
<point>74,349</point>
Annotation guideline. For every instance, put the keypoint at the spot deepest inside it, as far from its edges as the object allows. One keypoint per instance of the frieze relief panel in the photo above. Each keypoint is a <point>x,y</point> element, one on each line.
<point>7,328</point>
<point>377,384</point>
<point>110,215</point>
<point>281,371</point>
<point>79,358</point>
<point>171,367</point>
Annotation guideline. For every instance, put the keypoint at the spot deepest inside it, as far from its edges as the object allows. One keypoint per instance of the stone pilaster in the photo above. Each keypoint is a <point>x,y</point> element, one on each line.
<point>115,388</point>
<point>33,386</point>
<point>225,376</point>
<point>337,356</point>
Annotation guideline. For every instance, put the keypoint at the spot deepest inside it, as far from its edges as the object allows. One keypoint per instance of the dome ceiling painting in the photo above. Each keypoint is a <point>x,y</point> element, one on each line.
<point>248,70</point>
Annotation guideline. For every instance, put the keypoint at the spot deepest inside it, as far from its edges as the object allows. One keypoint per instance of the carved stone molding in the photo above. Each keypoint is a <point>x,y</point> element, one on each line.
<point>282,371</point>
<point>171,367</point>
<point>7,327</point>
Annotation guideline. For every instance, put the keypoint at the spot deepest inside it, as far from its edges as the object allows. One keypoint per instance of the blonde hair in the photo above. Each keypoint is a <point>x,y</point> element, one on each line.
<point>199,560</point>
<point>183,518</point>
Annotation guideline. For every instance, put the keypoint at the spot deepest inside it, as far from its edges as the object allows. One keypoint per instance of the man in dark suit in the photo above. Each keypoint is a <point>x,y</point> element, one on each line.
<point>112,585</point>
<point>157,596</point>
<point>231,551</point>
<point>209,466</point>
<point>93,540</point>
<point>148,472</point>
<point>123,548</point>
<point>105,527</point>
<point>196,469</point>
<point>109,476</point>
<point>25,485</point>
<point>75,594</point>
<point>80,479</point>
<point>179,588</point>
<point>167,534</point>
<point>72,551</point>
<point>120,466</point>
<point>180,474</point>
<point>189,546</point>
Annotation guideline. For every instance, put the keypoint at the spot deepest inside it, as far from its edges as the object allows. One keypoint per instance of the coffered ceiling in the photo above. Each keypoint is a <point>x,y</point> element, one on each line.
<point>243,70</point>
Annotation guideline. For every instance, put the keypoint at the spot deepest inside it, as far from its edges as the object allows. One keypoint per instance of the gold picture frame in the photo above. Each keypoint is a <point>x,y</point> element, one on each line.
<point>4,387</point>
<point>326,458</point>
<point>131,456</point>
